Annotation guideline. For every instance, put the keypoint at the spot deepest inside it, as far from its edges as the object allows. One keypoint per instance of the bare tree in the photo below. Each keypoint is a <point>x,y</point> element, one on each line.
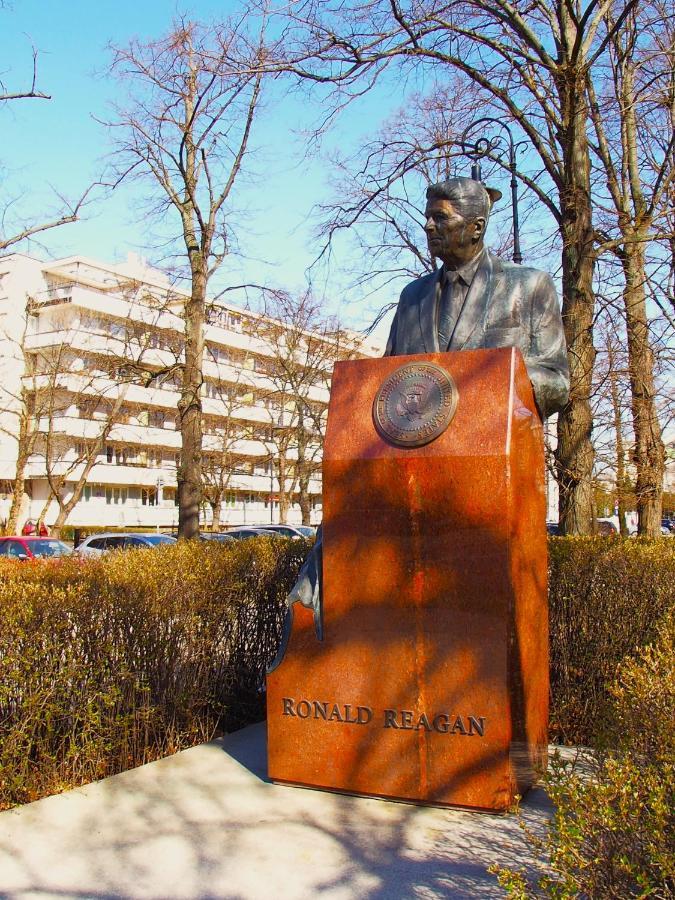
<point>224,432</point>
<point>379,190</point>
<point>622,484</point>
<point>13,232</point>
<point>611,437</point>
<point>532,62</point>
<point>635,147</point>
<point>68,466</point>
<point>302,344</point>
<point>186,130</point>
<point>30,91</point>
<point>25,231</point>
<point>17,408</point>
<point>59,387</point>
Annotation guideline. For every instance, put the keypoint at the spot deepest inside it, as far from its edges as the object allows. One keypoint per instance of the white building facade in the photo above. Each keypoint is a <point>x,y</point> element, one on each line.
<point>90,358</point>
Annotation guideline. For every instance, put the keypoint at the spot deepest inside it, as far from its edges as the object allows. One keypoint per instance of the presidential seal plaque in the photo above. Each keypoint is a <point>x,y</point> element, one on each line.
<point>415,405</point>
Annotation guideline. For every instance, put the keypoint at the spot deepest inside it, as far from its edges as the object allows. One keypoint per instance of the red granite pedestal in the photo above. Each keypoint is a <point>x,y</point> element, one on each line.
<point>431,682</point>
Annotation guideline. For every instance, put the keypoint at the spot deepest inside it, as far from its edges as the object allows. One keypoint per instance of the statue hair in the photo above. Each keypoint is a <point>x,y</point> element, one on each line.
<point>470,198</point>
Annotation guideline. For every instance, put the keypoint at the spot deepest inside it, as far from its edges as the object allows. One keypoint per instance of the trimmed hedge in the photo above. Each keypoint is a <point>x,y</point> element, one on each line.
<point>606,599</point>
<point>107,664</point>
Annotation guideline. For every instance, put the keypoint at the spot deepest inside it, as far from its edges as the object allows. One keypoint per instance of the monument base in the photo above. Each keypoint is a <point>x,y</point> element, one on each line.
<point>431,682</point>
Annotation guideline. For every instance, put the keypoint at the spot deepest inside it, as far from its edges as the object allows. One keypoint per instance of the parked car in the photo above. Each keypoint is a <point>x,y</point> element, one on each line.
<point>97,544</point>
<point>32,547</point>
<point>250,531</point>
<point>289,531</point>
<point>205,536</point>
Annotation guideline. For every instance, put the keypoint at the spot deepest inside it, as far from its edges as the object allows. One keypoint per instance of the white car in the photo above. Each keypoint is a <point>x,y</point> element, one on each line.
<point>97,544</point>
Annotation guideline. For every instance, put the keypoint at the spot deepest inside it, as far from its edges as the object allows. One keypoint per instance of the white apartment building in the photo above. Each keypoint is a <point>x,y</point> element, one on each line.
<point>89,377</point>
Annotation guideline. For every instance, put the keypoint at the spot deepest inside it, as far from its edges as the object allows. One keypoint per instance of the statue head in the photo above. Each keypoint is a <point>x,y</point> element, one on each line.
<point>457,213</point>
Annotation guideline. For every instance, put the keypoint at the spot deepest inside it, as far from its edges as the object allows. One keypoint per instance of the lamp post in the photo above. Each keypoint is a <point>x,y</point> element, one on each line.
<point>484,146</point>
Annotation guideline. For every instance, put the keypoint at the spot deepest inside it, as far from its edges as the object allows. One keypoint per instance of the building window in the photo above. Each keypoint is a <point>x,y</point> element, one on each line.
<point>215,391</point>
<point>115,496</point>
<point>120,456</point>
<point>149,496</point>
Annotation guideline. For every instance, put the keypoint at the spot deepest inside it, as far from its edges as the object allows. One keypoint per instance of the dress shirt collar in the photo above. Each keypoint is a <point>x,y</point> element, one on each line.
<point>465,272</point>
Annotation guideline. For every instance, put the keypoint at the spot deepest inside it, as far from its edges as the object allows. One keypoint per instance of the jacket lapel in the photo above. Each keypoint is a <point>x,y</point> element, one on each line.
<point>471,322</point>
<point>428,313</point>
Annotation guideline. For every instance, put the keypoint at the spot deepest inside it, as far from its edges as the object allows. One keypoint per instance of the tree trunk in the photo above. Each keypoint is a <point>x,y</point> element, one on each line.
<point>574,453</point>
<point>24,449</point>
<point>284,502</point>
<point>649,450</point>
<point>303,471</point>
<point>57,485</point>
<point>189,475</point>
<point>620,451</point>
<point>216,506</point>
<point>304,500</point>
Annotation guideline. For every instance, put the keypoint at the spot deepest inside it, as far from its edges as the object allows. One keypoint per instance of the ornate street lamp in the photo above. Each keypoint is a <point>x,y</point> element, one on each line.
<point>493,148</point>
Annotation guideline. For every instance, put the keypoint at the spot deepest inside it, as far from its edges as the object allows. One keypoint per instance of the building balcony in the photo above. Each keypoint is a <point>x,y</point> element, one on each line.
<point>260,484</point>
<point>245,378</point>
<point>93,343</point>
<point>103,386</point>
<point>90,429</point>
<point>109,303</point>
<point>105,473</point>
<point>125,515</point>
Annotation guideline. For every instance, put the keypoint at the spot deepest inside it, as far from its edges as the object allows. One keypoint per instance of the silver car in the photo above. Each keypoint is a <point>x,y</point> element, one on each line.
<point>289,531</point>
<point>97,544</point>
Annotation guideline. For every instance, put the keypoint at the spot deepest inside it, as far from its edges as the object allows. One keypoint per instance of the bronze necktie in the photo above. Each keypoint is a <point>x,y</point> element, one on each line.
<point>446,319</point>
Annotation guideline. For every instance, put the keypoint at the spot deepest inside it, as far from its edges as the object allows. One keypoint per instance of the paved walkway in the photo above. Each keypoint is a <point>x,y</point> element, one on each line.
<point>206,823</point>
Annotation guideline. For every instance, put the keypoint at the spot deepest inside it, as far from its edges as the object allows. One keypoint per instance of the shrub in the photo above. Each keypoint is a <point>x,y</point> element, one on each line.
<point>606,597</point>
<point>110,663</point>
<point>613,831</point>
<point>106,664</point>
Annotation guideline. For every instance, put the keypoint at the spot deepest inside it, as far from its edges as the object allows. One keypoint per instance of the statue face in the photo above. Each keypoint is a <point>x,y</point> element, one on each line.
<point>450,237</point>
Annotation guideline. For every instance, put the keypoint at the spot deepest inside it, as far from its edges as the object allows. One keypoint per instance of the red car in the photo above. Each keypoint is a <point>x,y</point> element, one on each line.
<point>31,547</point>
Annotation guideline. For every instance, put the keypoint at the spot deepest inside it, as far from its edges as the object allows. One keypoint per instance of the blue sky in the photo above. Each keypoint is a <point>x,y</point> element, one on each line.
<point>58,144</point>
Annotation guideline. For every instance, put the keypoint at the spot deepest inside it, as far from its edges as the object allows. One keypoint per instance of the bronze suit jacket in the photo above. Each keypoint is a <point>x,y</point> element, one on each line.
<point>506,305</point>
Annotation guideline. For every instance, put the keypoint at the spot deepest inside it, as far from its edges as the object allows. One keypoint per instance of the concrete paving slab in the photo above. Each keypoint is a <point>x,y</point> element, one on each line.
<point>206,823</point>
